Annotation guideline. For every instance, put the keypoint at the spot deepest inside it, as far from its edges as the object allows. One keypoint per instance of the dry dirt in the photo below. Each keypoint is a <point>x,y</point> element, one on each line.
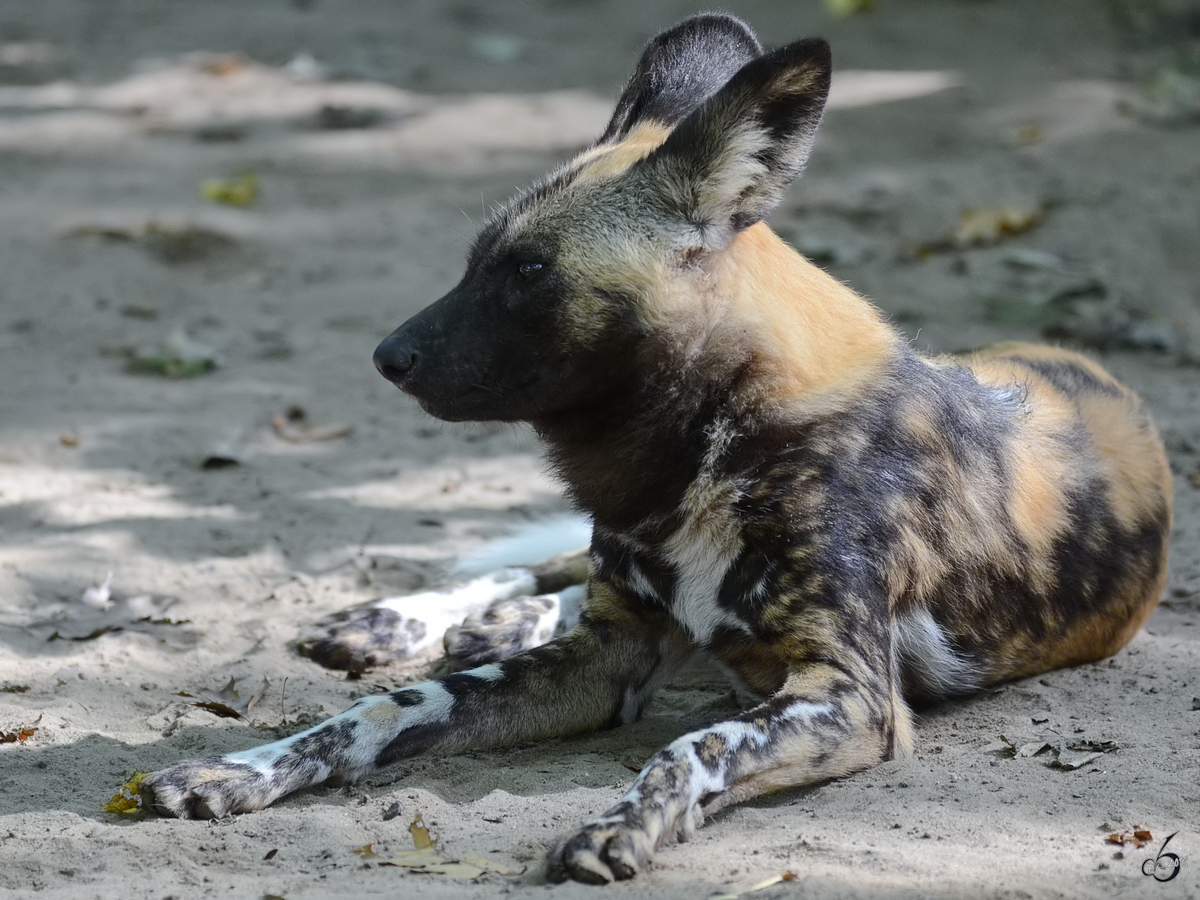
<point>376,151</point>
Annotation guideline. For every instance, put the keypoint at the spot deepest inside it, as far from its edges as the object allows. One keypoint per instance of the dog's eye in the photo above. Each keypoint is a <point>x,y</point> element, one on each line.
<point>527,270</point>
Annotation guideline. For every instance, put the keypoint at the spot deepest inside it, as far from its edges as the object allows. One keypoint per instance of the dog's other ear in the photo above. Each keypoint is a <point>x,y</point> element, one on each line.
<point>679,69</point>
<point>727,164</point>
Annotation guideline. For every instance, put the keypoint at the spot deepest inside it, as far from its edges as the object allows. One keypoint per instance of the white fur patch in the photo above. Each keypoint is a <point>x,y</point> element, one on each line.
<point>438,610</point>
<point>924,651</point>
<point>640,583</point>
<point>491,673</point>
<point>436,707</point>
<point>702,779</point>
<point>804,711</point>
<point>563,616</point>
<point>263,758</point>
<point>705,546</point>
<point>378,719</point>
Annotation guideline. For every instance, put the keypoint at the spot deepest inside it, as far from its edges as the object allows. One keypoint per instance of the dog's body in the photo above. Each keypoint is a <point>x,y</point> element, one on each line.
<point>775,478</point>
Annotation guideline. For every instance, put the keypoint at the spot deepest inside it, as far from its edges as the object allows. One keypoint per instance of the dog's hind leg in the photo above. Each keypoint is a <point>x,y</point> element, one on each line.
<point>508,626</point>
<point>599,674</point>
<point>398,628</point>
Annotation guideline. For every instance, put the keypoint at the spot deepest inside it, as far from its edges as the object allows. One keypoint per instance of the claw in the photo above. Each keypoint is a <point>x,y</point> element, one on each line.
<point>205,789</point>
<point>599,853</point>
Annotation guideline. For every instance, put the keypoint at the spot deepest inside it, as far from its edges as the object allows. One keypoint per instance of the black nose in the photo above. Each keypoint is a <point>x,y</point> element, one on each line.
<point>395,359</point>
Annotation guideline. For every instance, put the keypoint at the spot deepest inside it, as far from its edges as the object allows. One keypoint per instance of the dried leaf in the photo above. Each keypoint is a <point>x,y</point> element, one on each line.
<point>223,64</point>
<point>293,427</point>
<point>982,227</point>
<point>134,613</point>
<point>761,886</point>
<point>1033,748</point>
<point>420,834</point>
<point>121,804</point>
<point>271,853</point>
<point>430,861</point>
<point>1081,752</point>
<point>218,709</point>
<point>1096,746</point>
<point>415,859</point>
<point>1069,760</point>
<point>453,870</point>
<point>1135,835</point>
<point>979,227</point>
<point>845,8</point>
<point>177,356</point>
<point>774,879</point>
<point>365,852</point>
<point>482,862</point>
<point>84,635</point>
<point>21,734</point>
<point>239,191</point>
<point>125,800</point>
<point>228,703</point>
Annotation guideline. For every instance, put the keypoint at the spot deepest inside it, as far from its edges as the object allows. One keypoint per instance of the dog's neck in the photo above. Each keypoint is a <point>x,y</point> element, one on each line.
<point>627,462</point>
<point>775,345</point>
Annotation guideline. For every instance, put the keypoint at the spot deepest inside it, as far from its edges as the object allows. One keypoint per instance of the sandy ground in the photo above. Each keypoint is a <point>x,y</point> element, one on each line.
<point>107,246</point>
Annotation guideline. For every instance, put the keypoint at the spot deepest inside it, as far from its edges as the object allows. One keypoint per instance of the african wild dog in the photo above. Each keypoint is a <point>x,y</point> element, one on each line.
<point>775,477</point>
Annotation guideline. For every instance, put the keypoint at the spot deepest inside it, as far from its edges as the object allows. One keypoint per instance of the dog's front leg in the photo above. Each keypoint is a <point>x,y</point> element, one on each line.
<point>822,724</point>
<point>601,673</point>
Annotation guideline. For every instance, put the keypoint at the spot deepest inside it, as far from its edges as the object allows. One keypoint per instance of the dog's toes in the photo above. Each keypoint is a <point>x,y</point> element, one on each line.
<point>504,629</point>
<point>205,789</point>
<point>360,638</point>
<point>599,853</point>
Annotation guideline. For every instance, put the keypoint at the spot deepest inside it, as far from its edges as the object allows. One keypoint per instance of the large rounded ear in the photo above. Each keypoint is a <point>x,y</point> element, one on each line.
<point>727,164</point>
<point>679,69</point>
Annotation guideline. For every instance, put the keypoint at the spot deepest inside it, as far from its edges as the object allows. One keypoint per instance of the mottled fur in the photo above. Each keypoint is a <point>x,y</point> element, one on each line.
<point>775,477</point>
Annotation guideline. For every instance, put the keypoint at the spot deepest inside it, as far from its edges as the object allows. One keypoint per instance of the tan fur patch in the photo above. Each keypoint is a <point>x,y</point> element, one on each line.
<point>382,715</point>
<point>1136,474</point>
<point>815,342</point>
<point>610,160</point>
<point>1040,462</point>
<point>1130,459</point>
<point>712,749</point>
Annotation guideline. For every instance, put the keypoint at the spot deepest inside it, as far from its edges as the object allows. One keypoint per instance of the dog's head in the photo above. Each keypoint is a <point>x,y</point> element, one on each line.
<point>578,286</point>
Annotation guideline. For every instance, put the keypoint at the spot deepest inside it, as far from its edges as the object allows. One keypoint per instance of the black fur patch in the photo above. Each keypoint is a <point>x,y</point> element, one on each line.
<point>679,69</point>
